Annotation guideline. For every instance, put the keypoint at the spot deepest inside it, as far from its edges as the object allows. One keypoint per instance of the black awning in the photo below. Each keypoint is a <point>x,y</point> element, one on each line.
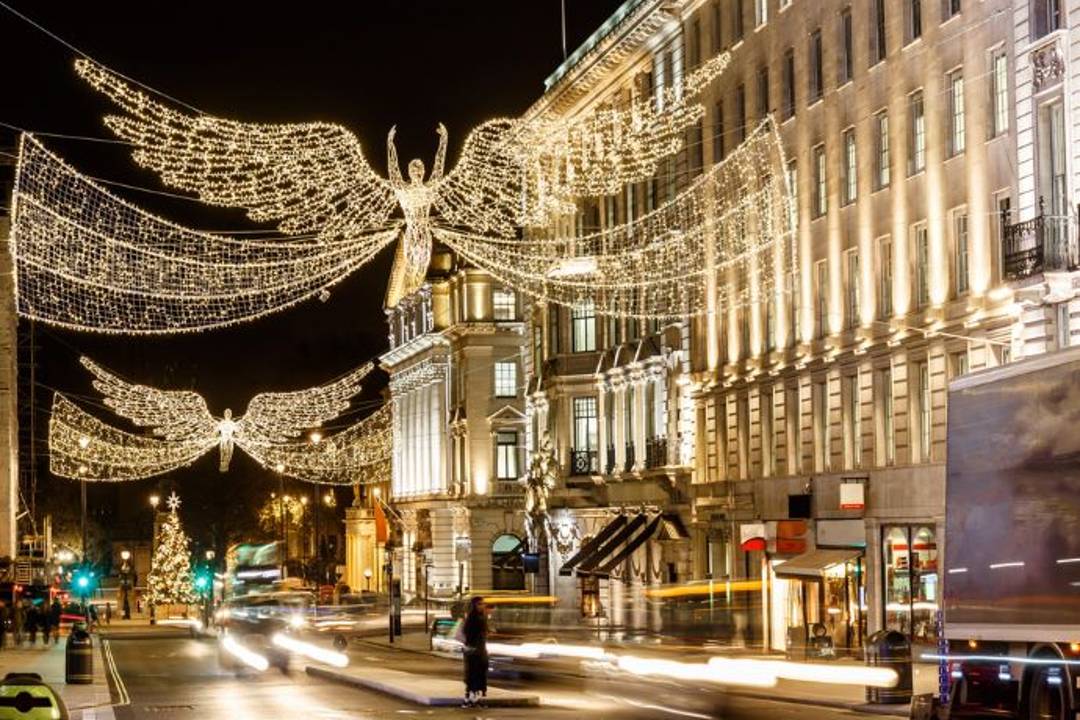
<point>604,551</point>
<point>590,547</point>
<point>631,545</point>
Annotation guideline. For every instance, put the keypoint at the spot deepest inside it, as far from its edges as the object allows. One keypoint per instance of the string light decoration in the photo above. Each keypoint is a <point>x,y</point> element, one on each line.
<point>733,221</point>
<point>182,430</point>
<point>88,260</point>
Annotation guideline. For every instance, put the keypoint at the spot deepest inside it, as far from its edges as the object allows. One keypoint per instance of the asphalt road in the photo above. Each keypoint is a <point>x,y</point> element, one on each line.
<point>179,678</point>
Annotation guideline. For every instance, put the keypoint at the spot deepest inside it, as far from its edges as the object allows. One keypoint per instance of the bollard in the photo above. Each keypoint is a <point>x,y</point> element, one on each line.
<point>79,656</point>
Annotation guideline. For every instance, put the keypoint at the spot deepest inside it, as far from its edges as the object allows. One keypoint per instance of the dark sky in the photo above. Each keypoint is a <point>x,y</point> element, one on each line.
<point>366,65</point>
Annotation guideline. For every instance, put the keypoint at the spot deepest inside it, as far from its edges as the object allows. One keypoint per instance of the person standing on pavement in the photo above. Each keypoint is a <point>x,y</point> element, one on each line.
<point>475,651</point>
<point>55,612</point>
<point>108,613</point>
<point>18,622</point>
<point>32,622</point>
<point>46,623</point>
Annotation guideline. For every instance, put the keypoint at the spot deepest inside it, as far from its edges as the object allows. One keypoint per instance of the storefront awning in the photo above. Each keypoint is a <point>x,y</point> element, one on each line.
<point>604,551</point>
<point>631,545</point>
<point>812,565</point>
<point>590,547</point>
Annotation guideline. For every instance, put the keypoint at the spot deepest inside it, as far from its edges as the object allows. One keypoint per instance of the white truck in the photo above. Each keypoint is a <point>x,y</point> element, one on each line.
<point>1011,593</point>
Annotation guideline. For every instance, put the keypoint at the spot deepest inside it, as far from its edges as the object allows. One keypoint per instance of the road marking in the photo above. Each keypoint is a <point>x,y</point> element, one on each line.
<point>114,672</point>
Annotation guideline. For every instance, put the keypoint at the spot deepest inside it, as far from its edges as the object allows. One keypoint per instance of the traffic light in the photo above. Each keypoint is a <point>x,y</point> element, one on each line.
<point>82,580</point>
<point>203,581</point>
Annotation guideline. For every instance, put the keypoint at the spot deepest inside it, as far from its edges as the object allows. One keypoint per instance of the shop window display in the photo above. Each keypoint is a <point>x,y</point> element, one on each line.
<point>911,581</point>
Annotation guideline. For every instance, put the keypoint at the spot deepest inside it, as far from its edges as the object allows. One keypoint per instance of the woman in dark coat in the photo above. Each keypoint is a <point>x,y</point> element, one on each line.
<point>476,655</point>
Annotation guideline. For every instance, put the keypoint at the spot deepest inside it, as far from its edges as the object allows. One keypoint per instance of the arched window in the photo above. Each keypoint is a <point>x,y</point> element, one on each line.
<point>507,572</point>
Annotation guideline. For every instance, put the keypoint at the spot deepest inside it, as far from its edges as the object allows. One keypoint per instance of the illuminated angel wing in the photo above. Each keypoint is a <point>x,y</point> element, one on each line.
<point>310,177</point>
<point>278,417</point>
<point>179,415</point>
<point>483,191</point>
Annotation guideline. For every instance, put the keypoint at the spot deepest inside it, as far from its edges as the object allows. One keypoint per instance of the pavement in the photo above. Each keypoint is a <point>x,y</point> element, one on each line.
<point>84,702</point>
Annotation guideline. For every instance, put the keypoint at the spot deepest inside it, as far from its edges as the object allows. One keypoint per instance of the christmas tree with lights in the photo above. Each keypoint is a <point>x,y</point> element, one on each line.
<point>170,578</point>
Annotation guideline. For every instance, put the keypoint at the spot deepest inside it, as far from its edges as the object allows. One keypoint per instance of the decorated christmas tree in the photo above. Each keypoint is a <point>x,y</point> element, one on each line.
<point>170,579</point>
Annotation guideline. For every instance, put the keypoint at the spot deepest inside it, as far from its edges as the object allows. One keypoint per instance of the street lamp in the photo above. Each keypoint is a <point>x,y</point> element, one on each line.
<point>367,578</point>
<point>155,500</point>
<point>125,584</point>
<point>303,532</point>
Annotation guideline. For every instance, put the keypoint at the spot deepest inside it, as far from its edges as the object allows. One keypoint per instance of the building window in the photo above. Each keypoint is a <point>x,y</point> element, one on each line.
<point>957,135</point>
<point>584,457</point>
<point>912,20</point>
<point>768,439</point>
<point>878,47</point>
<point>506,455</point>
<point>888,432</point>
<point>881,150</point>
<point>885,288</point>
<point>999,89</point>
<point>717,27</point>
<point>846,61</point>
<point>1003,202</point>
<point>916,133</point>
<point>851,286</point>
<point>770,323</point>
<point>851,179</point>
<point>696,150</point>
<point>506,379</point>
<point>761,12</point>
<point>960,247</point>
<point>763,92</point>
<point>718,131</point>
<point>507,570</point>
<point>853,413</point>
<point>693,43</point>
<point>793,191</point>
<point>821,195</point>
<point>583,327</point>
<point>737,28</point>
<point>789,83</point>
<point>821,273</point>
<point>923,398</point>
<point>791,430</point>
<point>820,400</point>
<point>912,581</point>
<point>505,305</point>
<point>950,8</point>
<point>959,364</point>
<point>553,331</point>
<point>816,63</point>
<point>740,113</point>
<point>1047,16</point>
<point>921,245</point>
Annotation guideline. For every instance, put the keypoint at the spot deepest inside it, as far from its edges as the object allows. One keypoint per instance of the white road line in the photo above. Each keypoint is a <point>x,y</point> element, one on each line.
<point>121,689</point>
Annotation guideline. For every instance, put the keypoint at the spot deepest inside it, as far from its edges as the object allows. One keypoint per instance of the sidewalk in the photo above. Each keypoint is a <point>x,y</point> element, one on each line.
<point>84,702</point>
<point>846,697</point>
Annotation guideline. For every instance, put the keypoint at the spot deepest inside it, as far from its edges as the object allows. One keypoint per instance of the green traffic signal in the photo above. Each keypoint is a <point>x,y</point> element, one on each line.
<point>202,582</point>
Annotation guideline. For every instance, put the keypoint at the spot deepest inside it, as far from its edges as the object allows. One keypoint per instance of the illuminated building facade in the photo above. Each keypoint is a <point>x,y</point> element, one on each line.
<point>801,434</point>
<point>456,387</point>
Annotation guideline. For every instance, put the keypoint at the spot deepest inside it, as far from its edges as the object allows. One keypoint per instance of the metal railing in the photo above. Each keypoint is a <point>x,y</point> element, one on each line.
<point>609,466</point>
<point>1046,242</point>
<point>584,462</point>
<point>656,452</point>
<point>628,466</point>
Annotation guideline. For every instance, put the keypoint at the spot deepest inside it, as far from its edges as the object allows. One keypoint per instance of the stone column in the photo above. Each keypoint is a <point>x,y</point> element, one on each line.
<point>9,418</point>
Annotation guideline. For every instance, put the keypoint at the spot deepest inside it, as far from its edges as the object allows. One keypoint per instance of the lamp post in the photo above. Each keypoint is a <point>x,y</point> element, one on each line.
<point>280,467</point>
<point>125,584</point>
<point>315,436</point>
<point>303,532</point>
<point>367,578</point>
<point>155,499</point>
<point>84,442</point>
<point>209,598</point>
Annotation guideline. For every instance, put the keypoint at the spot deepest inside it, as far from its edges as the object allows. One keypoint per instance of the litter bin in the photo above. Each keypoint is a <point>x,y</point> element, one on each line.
<point>890,649</point>
<point>79,656</point>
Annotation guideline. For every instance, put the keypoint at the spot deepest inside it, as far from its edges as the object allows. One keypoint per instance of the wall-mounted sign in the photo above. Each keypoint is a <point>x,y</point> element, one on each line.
<point>852,495</point>
<point>752,536</point>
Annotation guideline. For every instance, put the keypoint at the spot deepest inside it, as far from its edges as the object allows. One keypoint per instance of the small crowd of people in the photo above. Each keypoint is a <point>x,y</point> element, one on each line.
<point>25,618</point>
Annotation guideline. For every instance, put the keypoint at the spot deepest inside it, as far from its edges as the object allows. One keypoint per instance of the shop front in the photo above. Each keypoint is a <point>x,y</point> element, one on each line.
<point>912,581</point>
<point>817,602</point>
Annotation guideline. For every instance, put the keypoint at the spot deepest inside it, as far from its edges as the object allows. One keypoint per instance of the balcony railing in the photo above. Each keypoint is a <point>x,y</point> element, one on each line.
<point>656,454</point>
<point>609,467</point>
<point>584,462</point>
<point>628,466</point>
<point>1046,242</point>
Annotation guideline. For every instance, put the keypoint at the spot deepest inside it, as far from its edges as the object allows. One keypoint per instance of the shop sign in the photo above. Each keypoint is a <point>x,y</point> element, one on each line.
<point>752,536</point>
<point>791,537</point>
<point>841,533</point>
<point>462,549</point>
<point>852,495</point>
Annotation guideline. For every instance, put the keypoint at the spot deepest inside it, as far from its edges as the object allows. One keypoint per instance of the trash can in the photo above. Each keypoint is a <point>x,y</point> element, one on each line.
<point>79,656</point>
<point>890,649</point>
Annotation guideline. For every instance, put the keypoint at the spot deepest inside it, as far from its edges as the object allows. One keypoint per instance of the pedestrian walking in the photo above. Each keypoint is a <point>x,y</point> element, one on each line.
<point>19,622</point>
<point>5,615</point>
<point>474,640</point>
<point>32,623</point>
<point>108,613</point>
<point>56,614</point>
<point>46,623</point>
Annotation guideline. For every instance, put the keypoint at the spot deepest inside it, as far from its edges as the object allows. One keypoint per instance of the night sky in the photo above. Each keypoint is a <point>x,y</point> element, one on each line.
<point>366,65</point>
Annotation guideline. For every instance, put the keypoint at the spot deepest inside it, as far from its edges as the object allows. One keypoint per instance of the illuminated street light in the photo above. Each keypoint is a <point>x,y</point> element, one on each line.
<point>125,555</point>
<point>154,500</point>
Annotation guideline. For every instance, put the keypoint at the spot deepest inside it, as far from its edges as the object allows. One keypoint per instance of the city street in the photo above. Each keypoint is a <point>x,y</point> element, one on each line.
<point>174,677</point>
